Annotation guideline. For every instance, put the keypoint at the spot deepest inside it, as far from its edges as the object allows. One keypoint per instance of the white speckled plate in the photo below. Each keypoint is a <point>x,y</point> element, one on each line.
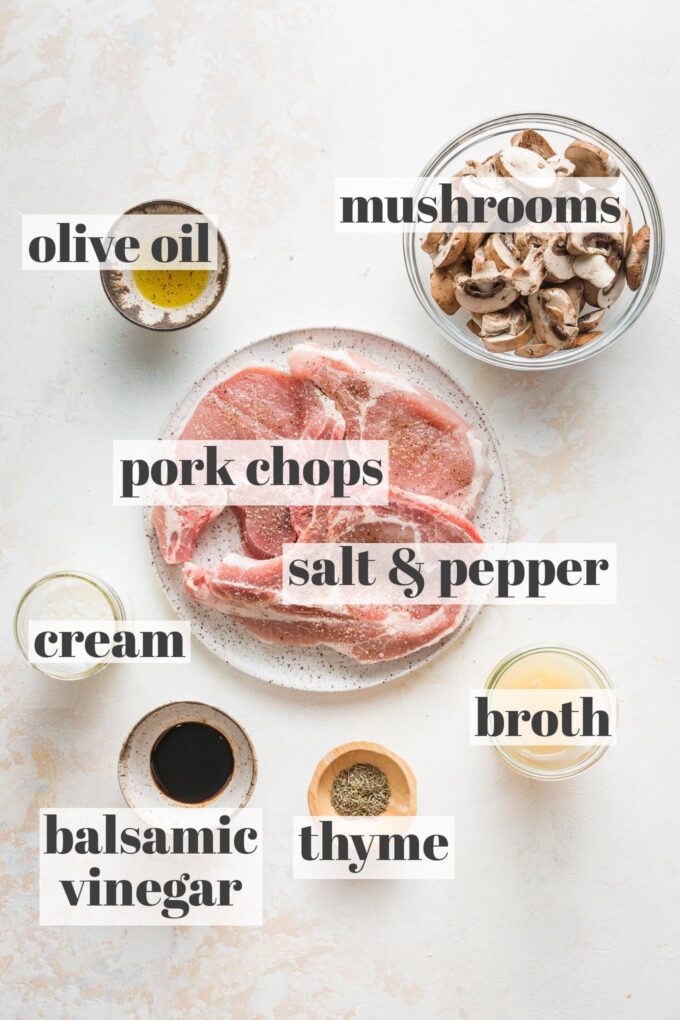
<point>320,669</point>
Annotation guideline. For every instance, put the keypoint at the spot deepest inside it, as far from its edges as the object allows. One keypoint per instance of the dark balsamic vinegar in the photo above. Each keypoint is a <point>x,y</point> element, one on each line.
<point>192,762</point>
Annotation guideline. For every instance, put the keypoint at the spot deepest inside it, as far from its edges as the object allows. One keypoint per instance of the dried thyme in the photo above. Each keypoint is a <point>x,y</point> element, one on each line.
<point>360,790</point>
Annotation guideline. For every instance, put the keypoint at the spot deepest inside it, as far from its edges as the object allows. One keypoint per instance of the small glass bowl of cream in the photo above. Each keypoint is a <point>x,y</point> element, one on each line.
<point>66,595</point>
<point>549,668</point>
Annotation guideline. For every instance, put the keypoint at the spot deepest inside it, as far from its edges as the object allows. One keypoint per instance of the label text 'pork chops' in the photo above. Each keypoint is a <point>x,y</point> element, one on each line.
<point>247,472</point>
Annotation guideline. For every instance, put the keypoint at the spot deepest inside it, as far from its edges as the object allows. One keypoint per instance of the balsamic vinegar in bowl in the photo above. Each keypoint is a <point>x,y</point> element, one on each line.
<point>192,762</point>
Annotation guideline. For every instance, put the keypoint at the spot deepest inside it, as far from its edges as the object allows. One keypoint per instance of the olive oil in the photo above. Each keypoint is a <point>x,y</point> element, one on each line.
<point>171,288</point>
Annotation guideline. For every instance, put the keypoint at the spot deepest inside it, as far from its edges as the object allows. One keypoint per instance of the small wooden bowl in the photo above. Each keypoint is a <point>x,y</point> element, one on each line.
<point>402,782</point>
<point>123,293</point>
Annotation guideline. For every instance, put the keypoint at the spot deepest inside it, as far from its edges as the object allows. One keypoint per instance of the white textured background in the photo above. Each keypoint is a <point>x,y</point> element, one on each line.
<point>566,901</point>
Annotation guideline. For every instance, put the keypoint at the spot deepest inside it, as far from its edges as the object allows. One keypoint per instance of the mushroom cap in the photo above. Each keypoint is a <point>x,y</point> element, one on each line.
<point>530,139</point>
<point>636,259</point>
<point>590,160</point>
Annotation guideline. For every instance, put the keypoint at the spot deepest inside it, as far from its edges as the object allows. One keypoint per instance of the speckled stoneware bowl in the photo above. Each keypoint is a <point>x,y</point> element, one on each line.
<point>134,764</point>
<point>125,296</point>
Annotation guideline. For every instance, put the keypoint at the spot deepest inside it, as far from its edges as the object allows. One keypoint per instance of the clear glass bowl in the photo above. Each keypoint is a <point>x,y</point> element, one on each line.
<point>590,754</point>
<point>29,608</point>
<point>482,141</point>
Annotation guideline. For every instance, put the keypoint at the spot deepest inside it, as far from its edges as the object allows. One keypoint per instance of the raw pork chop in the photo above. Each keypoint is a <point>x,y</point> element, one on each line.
<point>432,450</point>
<point>251,589</point>
<point>257,403</point>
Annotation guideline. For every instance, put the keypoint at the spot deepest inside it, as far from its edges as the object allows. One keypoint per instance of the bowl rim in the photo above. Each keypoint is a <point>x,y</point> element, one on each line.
<point>562,359</point>
<point>360,745</point>
<point>222,279</point>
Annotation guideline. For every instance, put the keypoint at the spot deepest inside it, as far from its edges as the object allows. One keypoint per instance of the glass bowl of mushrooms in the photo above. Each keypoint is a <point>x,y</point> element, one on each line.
<point>536,301</point>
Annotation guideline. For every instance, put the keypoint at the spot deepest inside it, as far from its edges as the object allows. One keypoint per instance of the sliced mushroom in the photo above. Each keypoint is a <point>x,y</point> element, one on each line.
<point>575,289</point>
<point>527,291</point>
<point>535,350</point>
<point>443,287</point>
<point>469,170</point>
<point>486,291</point>
<point>479,263</point>
<point>488,167</point>
<point>595,269</point>
<point>526,240</point>
<point>636,259</point>
<point>504,330</point>
<point>554,316</point>
<point>604,297</point>
<point>559,264</point>
<point>562,167</point>
<point>530,139</point>
<point>528,277</point>
<point>472,242</point>
<point>525,165</point>
<point>431,242</point>
<point>495,323</point>
<point>627,232</point>
<point>590,320</point>
<point>449,249</point>
<point>590,160</point>
<point>519,330</point>
<point>584,338</point>
<point>597,243</point>
<point>498,249</point>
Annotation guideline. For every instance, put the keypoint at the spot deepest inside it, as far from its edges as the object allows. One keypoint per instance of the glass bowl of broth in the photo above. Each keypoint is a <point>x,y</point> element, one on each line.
<point>550,668</point>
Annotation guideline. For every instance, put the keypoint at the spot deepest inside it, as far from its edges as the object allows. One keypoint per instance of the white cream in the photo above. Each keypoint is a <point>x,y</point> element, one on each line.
<point>63,597</point>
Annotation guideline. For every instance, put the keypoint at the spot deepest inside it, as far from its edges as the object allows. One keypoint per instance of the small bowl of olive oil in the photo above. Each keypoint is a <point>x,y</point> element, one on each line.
<point>167,299</point>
